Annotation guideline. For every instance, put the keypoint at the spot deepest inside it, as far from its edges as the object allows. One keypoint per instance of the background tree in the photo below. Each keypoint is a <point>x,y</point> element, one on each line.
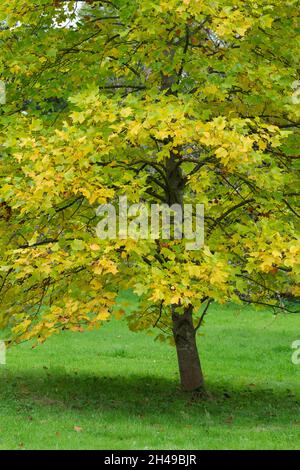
<point>161,101</point>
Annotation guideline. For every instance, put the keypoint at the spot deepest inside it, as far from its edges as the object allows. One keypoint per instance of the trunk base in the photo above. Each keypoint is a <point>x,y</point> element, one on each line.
<point>191,375</point>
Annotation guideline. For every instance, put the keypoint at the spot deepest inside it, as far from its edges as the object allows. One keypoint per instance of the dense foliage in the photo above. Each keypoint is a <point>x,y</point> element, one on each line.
<point>174,101</point>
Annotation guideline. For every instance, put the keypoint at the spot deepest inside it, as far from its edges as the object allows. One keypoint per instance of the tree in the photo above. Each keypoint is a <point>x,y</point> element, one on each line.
<point>178,101</point>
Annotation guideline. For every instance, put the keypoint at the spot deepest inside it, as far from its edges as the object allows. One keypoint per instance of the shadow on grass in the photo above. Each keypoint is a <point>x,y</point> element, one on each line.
<point>54,391</point>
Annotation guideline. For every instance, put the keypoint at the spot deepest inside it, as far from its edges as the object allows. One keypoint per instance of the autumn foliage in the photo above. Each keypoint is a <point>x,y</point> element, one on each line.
<point>174,101</point>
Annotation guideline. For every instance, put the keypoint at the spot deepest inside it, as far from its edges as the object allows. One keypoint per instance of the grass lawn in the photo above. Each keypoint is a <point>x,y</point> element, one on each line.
<point>114,389</point>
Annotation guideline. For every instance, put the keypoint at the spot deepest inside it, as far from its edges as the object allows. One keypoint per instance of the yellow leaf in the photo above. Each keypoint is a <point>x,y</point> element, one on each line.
<point>94,247</point>
<point>221,153</point>
<point>102,315</point>
<point>125,112</point>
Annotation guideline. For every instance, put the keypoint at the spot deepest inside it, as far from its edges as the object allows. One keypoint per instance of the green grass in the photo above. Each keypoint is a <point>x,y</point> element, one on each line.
<point>113,389</point>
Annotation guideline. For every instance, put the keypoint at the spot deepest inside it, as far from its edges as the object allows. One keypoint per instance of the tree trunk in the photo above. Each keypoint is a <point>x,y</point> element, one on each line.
<point>188,358</point>
<point>183,329</point>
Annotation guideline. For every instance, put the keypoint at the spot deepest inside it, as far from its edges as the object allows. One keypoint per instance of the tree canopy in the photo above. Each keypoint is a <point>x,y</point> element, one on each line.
<point>190,101</point>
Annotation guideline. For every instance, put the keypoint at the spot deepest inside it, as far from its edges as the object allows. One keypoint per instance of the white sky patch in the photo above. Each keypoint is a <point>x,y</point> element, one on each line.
<point>69,23</point>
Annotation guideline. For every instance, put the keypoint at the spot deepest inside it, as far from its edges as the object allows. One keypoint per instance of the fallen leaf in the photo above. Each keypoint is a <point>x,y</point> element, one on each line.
<point>77,428</point>
<point>229,420</point>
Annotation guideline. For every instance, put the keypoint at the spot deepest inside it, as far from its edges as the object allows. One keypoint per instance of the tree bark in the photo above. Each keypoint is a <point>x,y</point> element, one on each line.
<point>191,375</point>
<point>184,333</point>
